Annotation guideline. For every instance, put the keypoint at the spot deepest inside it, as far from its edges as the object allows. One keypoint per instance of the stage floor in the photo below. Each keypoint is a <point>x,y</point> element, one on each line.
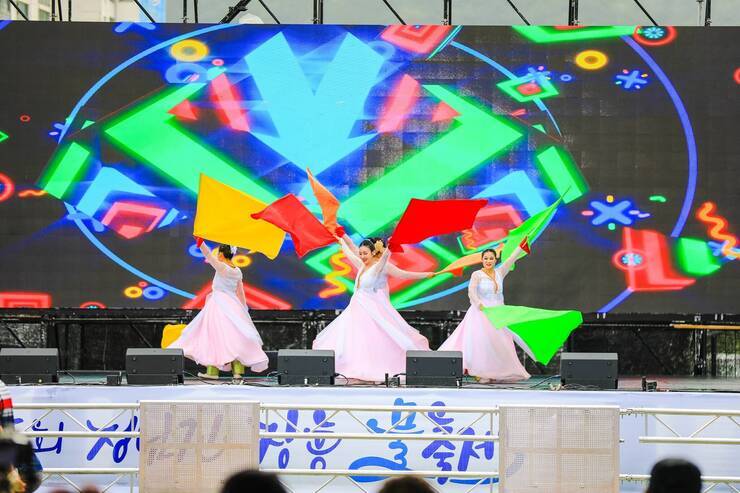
<point>626,383</point>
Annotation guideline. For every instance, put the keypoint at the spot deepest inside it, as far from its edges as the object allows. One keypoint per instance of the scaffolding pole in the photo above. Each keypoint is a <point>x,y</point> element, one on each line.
<point>572,12</point>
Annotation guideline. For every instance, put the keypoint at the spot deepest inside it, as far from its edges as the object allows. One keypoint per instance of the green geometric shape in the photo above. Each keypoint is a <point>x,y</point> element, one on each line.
<point>551,34</point>
<point>403,298</point>
<point>86,124</point>
<point>3,136</point>
<point>66,168</point>
<point>510,87</point>
<point>539,127</point>
<point>532,228</point>
<point>151,134</point>
<point>475,137</point>
<point>561,173</point>
<point>466,251</point>
<point>695,257</point>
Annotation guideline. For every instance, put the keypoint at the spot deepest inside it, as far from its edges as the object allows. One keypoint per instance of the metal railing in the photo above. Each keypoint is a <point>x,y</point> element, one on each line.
<point>487,415</point>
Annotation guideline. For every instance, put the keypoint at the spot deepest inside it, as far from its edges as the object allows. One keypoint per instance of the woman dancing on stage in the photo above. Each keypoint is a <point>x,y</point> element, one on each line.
<point>370,338</point>
<point>222,336</point>
<point>488,353</point>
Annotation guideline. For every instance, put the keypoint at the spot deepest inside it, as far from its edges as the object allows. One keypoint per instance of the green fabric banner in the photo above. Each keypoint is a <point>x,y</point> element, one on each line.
<point>543,331</point>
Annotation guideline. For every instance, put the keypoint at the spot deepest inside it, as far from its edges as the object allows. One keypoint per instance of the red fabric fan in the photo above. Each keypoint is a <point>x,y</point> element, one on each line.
<point>288,214</point>
<point>426,218</point>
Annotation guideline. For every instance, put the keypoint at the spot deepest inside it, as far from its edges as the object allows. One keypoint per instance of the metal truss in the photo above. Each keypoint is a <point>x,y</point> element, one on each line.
<point>486,416</point>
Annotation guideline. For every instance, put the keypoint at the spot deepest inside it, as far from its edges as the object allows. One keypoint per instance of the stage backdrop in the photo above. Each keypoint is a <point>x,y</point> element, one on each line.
<point>105,129</point>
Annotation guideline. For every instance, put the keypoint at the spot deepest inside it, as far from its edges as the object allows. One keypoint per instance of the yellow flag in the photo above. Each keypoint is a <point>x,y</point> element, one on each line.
<point>224,215</point>
<point>171,333</point>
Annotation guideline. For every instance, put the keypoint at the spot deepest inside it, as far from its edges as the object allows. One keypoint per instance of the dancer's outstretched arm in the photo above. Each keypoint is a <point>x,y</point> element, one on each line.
<point>383,260</point>
<point>394,271</point>
<point>510,261</point>
<point>210,255</point>
<point>350,244</point>
<point>351,255</point>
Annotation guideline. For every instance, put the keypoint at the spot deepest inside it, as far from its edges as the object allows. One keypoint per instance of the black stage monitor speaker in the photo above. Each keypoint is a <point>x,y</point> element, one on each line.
<point>589,369</point>
<point>434,368</point>
<point>150,366</point>
<point>305,366</point>
<point>29,365</point>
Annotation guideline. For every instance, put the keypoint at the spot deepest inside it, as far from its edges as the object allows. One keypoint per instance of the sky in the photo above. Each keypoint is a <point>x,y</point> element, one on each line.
<point>472,12</point>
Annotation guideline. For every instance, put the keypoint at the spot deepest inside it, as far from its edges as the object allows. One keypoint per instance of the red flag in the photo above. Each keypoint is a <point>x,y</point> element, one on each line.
<point>288,214</point>
<point>524,245</point>
<point>426,218</point>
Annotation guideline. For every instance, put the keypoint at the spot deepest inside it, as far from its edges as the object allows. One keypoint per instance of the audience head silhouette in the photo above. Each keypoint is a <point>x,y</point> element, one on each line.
<point>674,476</point>
<point>406,484</point>
<point>253,481</point>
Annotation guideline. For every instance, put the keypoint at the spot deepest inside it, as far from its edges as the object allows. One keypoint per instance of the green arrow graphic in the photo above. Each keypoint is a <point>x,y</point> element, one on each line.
<point>476,138</point>
<point>152,135</point>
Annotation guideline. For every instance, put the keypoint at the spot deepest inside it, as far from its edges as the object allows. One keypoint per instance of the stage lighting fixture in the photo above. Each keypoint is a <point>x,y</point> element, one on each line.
<point>153,366</point>
<point>434,368</point>
<point>305,367</point>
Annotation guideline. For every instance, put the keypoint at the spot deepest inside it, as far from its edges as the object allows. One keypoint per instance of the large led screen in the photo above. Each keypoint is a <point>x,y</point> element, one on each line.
<point>105,130</point>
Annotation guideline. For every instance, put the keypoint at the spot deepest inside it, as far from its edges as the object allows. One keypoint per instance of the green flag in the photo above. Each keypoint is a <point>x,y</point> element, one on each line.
<point>531,229</point>
<point>540,332</point>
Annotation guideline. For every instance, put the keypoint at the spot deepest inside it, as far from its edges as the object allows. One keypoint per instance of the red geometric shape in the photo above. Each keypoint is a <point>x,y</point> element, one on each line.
<point>92,304</point>
<point>130,219</point>
<point>736,76</point>
<point>416,39</point>
<point>519,112</point>
<point>654,272</point>
<point>491,224</point>
<point>184,110</point>
<point>7,187</point>
<point>20,299</point>
<point>402,99</point>
<point>670,36</point>
<point>257,299</point>
<point>228,100</point>
<point>412,259</point>
<point>529,89</point>
<point>444,112</point>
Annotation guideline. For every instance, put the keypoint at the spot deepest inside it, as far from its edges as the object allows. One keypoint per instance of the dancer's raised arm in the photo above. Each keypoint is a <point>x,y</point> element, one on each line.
<point>507,264</point>
<point>349,252</point>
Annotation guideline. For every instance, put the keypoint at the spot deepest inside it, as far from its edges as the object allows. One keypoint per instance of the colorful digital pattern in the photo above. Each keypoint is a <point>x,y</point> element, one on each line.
<point>101,162</point>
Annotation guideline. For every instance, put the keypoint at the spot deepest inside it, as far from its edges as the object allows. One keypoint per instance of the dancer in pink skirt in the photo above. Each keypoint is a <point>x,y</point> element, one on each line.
<point>222,336</point>
<point>488,353</point>
<point>370,338</point>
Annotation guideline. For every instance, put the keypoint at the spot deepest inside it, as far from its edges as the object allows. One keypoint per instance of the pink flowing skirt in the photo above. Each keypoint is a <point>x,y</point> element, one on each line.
<point>487,352</point>
<point>370,338</point>
<point>221,333</point>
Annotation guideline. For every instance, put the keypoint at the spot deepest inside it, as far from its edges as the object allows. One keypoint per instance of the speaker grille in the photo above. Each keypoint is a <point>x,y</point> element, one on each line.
<point>559,450</point>
<point>194,447</point>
